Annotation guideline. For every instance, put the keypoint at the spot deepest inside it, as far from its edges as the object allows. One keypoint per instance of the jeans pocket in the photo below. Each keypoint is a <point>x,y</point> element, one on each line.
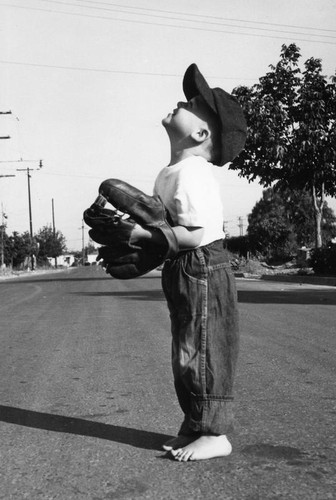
<point>190,275</point>
<point>193,267</point>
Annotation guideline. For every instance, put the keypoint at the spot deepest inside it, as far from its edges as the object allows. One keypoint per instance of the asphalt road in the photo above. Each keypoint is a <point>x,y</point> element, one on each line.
<point>86,393</point>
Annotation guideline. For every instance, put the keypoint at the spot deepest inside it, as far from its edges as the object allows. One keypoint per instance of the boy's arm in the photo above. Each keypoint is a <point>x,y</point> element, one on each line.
<point>187,237</point>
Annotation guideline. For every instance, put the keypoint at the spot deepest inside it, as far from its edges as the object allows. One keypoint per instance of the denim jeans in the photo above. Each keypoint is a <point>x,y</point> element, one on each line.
<point>200,290</point>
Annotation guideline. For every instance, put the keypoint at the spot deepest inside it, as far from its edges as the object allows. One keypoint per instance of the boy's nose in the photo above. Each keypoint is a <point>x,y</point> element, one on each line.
<point>181,104</point>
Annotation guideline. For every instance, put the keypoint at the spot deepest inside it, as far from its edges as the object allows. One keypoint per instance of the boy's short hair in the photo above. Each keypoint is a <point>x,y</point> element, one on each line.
<point>231,132</point>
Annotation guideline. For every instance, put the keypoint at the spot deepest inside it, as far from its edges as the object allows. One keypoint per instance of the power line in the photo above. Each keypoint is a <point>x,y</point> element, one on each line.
<point>181,19</point>
<point>17,161</point>
<point>190,14</point>
<point>102,70</point>
<point>89,69</point>
<point>53,173</point>
<point>165,25</point>
<point>145,178</point>
<point>72,175</point>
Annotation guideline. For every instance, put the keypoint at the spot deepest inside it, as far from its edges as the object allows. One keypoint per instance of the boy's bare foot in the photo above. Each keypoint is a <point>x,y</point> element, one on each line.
<point>203,448</point>
<point>178,442</point>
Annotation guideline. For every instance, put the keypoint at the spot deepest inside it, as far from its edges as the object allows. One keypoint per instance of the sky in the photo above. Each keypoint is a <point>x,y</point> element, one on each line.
<point>88,83</point>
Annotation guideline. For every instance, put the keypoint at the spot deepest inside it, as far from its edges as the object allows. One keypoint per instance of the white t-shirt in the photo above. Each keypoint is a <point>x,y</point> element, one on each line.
<point>190,192</point>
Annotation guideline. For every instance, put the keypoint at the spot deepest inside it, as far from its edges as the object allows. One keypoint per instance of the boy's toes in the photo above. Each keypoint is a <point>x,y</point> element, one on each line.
<point>179,454</point>
<point>186,456</point>
<point>177,442</point>
<point>182,455</point>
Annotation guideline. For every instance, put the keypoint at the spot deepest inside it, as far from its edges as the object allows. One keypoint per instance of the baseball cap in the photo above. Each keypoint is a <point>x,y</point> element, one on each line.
<point>227,108</point>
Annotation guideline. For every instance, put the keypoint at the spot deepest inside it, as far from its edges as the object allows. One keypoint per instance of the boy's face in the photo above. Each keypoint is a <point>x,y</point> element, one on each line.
<point>187,117</point>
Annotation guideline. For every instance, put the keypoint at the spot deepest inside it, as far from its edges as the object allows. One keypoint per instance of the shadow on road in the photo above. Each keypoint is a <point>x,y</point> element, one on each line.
<point>303,296</point>
<point>71,425</point>
<point>15,281</point>
<point>156,294</point>
<point>322,297</point>
<point>317,296</point>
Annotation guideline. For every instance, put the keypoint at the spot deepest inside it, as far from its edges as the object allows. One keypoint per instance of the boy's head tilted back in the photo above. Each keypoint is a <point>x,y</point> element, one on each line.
<point>215,120</point>
<point>230,115</point>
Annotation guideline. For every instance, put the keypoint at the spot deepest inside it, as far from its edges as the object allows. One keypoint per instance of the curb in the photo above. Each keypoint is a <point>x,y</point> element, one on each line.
<point>291,278</point>
<point>311,280</point>
<point>31,274</point>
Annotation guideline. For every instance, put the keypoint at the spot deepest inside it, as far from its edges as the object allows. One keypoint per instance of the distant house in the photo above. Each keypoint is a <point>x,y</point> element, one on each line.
<point>91,259</point>
<point>65,260</point>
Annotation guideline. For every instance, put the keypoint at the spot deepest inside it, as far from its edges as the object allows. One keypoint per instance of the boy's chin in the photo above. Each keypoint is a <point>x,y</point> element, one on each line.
<point>165,121</point>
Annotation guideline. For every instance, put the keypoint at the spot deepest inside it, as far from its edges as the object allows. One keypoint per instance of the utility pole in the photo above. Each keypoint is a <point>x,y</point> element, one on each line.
<point>28,170</point>
<point>83,247</point>
<point>225,230</point>
<point>3,226</point>
<point>241,226</point>
<point>54,230</point>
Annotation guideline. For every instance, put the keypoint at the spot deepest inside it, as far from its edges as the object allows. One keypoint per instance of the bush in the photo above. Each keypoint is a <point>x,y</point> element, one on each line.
<point>237,245</point>
<point>323,260</point>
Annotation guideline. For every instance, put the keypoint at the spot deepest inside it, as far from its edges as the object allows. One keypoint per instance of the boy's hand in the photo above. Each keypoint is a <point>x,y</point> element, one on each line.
<point>146,234</point>
<point>135,241</point>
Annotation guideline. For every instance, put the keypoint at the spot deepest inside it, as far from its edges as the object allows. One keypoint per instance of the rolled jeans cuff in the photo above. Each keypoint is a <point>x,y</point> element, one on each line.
<point>209,415</point>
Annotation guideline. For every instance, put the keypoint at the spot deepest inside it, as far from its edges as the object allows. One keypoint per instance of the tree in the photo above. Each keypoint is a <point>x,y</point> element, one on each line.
<point>291,130</point>
<point>300,212</point>
<point>282,221</point>
<point>90,248</point>
<point>270,231</point>
<point>17,248</point>
<point>51,244</point>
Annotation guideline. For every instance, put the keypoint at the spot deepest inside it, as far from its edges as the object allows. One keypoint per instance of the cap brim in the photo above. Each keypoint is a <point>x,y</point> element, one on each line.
<point>194,84</point>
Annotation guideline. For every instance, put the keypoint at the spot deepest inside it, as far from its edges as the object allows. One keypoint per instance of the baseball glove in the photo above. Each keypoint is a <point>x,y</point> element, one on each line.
<point>114,228</point>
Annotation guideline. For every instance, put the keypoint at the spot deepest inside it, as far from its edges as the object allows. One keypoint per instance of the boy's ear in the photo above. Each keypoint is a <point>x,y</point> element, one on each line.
<point>201,135</point>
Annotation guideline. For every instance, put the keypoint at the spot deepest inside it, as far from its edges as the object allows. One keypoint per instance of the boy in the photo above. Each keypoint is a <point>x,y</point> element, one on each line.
<point>198,284</point>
